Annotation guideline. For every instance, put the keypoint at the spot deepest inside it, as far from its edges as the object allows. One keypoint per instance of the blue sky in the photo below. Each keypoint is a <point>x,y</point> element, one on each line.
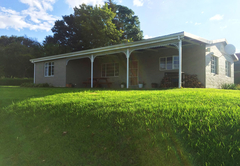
<point>210,19</point>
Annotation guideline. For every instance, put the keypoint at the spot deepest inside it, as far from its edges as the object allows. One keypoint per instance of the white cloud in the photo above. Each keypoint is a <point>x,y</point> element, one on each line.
<point>138,2</point>
<point>224,27</point>
<point>197,23</point>
<point>11,19</point>
<point>217,17</point>
<point>73,3</point>
<point>35,17</point>
<point>147,37</point>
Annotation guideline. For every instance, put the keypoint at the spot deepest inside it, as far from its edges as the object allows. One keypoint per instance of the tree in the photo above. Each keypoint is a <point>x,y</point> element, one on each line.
<point>89,27</point>
<point>97,27</point>
<point>126,20</point>
<point>15,53</point>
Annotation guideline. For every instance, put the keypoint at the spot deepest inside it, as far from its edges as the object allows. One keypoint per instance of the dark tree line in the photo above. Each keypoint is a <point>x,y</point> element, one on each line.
<point>15,53</point>
<point>88,27</point>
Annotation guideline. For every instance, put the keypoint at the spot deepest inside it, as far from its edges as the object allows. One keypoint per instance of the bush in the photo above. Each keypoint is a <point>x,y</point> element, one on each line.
<point>35,85</point>
<point>229,86</point>
<point>15,81</point>
<point>26,84</point>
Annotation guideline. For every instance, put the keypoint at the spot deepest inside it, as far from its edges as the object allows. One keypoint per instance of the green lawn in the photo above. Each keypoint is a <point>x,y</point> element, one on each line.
<point>60,126</point>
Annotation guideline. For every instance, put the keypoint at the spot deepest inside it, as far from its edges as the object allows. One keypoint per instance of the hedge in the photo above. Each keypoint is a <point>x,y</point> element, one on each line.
<point>15,81</point>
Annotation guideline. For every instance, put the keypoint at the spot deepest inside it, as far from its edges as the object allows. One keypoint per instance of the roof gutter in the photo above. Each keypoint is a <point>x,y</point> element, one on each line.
<point>235,58</point>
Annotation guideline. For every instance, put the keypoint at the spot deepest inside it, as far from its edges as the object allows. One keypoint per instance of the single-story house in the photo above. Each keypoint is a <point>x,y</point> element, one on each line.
<point>237,70</point>
<point>145,61</point>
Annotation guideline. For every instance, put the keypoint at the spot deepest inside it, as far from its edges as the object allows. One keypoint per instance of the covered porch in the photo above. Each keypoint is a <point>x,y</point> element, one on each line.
<point>144,61</point>
<point>146,64</point>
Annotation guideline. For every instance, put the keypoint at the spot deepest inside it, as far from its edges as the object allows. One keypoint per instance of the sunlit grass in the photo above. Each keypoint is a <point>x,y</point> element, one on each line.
<point>168,127</point>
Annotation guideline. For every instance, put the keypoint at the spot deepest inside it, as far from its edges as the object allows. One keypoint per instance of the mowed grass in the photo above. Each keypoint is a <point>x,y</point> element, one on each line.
<point>59,126</point>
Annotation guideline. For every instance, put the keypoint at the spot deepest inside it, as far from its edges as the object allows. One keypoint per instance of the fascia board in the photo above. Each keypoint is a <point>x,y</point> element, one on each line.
<point>197,38</point>
<point>220,41</point>
<point>236,57</point>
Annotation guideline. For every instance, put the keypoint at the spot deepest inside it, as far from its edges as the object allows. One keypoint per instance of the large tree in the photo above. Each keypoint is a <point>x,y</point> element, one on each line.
<point>15,53</point>
<point>92,27</point>
<point>126,20</point>
<point>89,27</point>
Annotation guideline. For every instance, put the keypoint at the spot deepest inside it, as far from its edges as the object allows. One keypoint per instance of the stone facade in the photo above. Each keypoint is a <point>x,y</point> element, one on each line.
<point>216,80</point>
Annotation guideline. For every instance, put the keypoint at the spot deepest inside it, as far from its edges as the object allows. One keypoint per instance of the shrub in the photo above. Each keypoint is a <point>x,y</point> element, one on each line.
<point>27,84</point>
<point>35,85</point>
<point>229,86</point>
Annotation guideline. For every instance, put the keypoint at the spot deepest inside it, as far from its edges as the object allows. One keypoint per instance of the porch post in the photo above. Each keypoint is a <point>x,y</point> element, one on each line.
<point>92,60</point>
<point>180,63</point>
<point>128,55</point>
<point>34,77</point>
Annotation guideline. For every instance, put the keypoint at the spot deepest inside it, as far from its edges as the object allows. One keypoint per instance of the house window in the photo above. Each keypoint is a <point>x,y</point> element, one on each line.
<point>49,69</point>
<point>228,68</point>
<point>214,64</point>
<point>110,70</point>
<point>169,63</point>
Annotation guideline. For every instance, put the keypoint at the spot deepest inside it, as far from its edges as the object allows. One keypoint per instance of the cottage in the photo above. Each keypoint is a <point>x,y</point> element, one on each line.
<point>147,61</point>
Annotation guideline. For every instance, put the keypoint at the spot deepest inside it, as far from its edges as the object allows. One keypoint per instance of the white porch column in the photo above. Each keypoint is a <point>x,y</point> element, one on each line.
<point>180,63</point>
<point>34,76</point>
<point>92,60</point>
<point>128,55</point>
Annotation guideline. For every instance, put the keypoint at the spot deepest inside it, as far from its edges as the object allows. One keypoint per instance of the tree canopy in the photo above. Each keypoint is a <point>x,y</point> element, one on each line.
<point>15,53</point>
<point>126,20</point>
<point>91,27</point>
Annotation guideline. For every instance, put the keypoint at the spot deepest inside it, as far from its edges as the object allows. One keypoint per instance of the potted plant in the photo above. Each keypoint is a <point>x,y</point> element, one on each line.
<point>123,85</point>
<point>141,84</point>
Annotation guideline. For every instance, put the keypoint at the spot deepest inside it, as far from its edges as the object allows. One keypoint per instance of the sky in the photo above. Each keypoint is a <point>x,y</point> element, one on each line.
<point>209,19</point>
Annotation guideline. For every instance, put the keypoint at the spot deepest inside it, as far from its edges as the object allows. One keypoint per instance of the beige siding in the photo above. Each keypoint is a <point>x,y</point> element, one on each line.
<point>192,62</point>
<point>118,58</point>
<point>216,80</point>
<point>59,78</point>
<point>78,71</point>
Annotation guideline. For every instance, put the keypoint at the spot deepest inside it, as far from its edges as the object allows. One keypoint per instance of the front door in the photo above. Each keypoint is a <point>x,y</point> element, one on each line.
<point>133,72</point>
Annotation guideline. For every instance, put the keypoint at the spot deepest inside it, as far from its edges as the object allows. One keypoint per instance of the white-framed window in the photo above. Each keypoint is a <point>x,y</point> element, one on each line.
<point>49,69</point>
<point>227,68</point>
<point>214,64</point>
<point>110,70</point>
<point>169,63</point>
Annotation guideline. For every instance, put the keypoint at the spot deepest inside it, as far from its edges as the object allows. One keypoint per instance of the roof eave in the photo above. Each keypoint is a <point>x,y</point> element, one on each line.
<point>113,47</point>
<point>165,38</point>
